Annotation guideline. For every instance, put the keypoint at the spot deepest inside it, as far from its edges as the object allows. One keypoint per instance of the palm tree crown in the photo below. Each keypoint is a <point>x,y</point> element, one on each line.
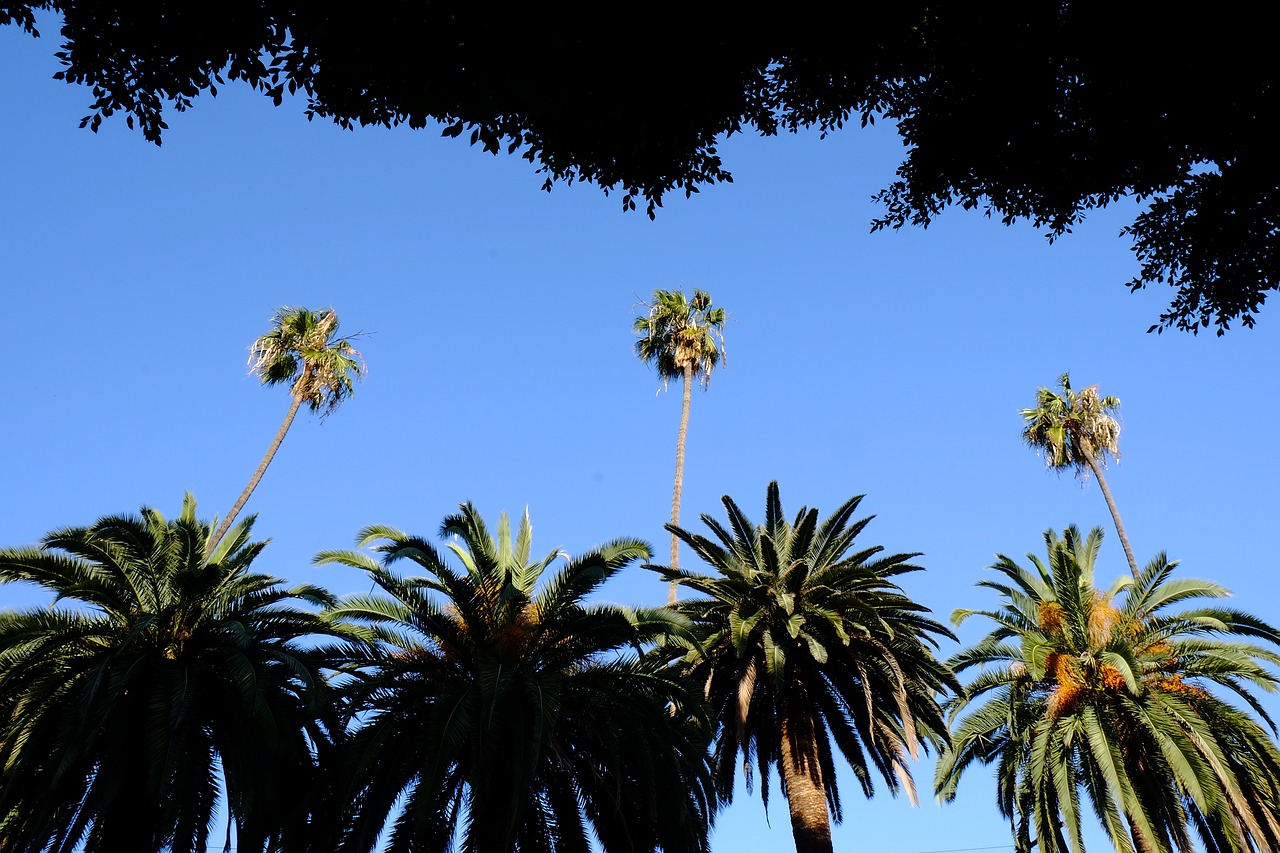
<point>169,677</point>
<point>1073,427</point>
<point>808,643</point>
<point>681,338</point>
<point>495,697</point>
<point>1109,695</point>
<point>678,334</point>
<point>302,349</point>
<point>1078,430</point>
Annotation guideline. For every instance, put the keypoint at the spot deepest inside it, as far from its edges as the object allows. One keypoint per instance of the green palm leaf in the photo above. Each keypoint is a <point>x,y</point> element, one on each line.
<point>154,680</point>
<point>808,651</point>
<point>496,701</point>
<point>1078,694</point>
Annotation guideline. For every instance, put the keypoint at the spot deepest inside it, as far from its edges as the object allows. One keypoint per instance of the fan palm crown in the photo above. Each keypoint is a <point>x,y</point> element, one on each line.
<point>1114,697</point>
<point>1073,428</point>
<point>168,678</point>
<point>809,649</point>
<point>494,698</point>
<point>304,351</point>
<point>680,336</point>
<point>1078,430</point>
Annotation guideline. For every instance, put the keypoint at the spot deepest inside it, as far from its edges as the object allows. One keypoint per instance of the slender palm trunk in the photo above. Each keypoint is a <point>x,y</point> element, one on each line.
<point>675,498</point>
<point>806,790</point>
<point>1115,515</point>
<point>253,481</point>
<point>1141,843</point>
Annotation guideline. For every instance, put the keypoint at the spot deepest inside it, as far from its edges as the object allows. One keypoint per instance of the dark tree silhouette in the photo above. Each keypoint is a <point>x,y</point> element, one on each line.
<point>1028,111</point>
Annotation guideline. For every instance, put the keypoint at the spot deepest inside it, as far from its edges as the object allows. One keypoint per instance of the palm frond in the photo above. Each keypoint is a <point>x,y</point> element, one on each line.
<point>1076,694</point>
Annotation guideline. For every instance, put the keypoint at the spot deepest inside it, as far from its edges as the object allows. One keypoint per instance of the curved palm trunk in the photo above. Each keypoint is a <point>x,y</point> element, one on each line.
<point>675,498</point>
<point>805,789</point>
<point>253,481</point>
<point>1115,516</point>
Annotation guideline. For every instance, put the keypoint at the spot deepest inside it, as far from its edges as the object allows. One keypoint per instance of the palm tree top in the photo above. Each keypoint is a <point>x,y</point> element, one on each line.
<point>1111,697</point>
<point>501,588</point>
<point>678,332</point>
<point>1073,427</point>
<point>502,706</point>
<point>809,649</point>
<point>304,350</point>
<point>148,559</point>
<point>156,685</point>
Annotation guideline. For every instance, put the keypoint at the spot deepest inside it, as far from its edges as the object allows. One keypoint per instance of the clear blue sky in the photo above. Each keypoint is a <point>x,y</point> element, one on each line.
<point>501,370</point>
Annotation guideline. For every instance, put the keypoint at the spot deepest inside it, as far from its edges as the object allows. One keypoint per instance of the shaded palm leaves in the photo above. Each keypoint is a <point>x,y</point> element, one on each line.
<point>1106,697</point>
<point>494,699</point>
<point>811,650</point>
<point>153,678</point>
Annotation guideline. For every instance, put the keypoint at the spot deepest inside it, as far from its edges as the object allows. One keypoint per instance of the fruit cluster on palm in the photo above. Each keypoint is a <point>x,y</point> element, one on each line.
<point>809,649</point>
<point>1116,697</point>
<point>485,703</point>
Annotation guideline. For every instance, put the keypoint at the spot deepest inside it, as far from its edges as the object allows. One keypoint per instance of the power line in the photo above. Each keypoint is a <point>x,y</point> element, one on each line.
<point>967,849</point>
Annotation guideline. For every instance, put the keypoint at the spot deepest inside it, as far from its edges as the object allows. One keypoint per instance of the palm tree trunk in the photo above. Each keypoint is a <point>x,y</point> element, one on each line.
<point>675,498</point>
<point>802,775</point>
<point>1115,515</point>
<point>1140,842</point>
<point>253,481</point>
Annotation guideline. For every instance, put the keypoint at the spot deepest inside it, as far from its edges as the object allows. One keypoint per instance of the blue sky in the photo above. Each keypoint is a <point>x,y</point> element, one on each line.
<point>500,364</point>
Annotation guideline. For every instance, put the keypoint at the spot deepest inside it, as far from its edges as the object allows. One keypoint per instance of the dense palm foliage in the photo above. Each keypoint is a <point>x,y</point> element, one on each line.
<point>153,680</point>
<point>682,338</point>
<point>494,700</point>
<point>1078,430</point>
<point>303,350</point>
<point>809,649</point>
<point>1114,697</point>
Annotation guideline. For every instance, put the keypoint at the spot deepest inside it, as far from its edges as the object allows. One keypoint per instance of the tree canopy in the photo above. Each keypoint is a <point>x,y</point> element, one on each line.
<point>1119,699</point>
<point>1034,111</point>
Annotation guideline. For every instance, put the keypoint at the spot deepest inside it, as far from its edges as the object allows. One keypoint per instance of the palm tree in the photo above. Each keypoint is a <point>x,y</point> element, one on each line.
<point>168,678</point>
<point>495,700</point>
<point>1078,430</point>
<point>808,643</point>
<point>681,338</point>
<point>1114,696</point>
<point>303,350</point>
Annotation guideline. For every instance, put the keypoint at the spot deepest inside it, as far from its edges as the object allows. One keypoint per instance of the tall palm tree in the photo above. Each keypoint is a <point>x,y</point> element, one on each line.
<point>1078,430</point>
<point>167,678</point>
<point>496,700</point>
<point>1114,696</point>
<point>682,338</point>
<point>301,349</point>
<point>807,643</point>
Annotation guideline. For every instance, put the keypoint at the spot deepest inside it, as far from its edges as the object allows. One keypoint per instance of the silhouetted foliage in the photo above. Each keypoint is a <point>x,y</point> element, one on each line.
<point>1038,111</point>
